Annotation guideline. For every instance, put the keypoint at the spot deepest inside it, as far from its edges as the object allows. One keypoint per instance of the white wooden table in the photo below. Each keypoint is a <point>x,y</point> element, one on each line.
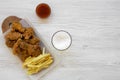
<point>95,29</point>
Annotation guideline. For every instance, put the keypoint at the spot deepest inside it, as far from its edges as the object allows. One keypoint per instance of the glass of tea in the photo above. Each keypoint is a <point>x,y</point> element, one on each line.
<point>43,10</point>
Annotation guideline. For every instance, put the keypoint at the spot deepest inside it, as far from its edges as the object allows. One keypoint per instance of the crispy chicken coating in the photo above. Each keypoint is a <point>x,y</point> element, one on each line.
<point>16,26</point>
<point>13,35</point>
<point>11,38</point>
<point>10,43</point>
<point>33,40</point>
<point>25,50</point>
<point>23,41</point>
<point>29,32</point>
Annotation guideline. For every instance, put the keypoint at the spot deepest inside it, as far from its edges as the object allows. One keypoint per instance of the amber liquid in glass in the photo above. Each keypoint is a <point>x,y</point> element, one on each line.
<point>43,10</point>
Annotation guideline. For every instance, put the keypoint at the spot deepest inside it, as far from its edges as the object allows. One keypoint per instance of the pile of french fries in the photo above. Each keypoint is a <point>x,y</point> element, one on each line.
<point>36,64</point>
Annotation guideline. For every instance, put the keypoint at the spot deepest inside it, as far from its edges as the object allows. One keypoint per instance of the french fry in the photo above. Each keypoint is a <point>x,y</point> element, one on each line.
<point>36,64</point>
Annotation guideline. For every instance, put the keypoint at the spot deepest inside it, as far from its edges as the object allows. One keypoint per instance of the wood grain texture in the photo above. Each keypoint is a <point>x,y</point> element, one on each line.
<point>95,29</point>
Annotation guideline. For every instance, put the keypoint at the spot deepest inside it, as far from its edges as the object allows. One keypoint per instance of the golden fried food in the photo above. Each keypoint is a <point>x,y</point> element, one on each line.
<point>10,43</point>
<point>11,38</point>
<point>28,33</point>
<point>24,50</point>
<point>16,26</point>
<point>26,45</point>
<point>36,64</point>
<point>13,35</point>
<point>23,41</point>
<point>33,40</point>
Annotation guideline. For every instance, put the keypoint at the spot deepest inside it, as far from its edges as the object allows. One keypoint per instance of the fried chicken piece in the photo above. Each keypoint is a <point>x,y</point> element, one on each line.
<point>28,33</point>
<point>24,50</point>
<point>23,55</point>
<point>16,48</point>
<point>11,38</point>
<point>34,50</point>
<point>10,43</point>
<point>23,41</point>
<point>16,26</point>
<point>33,40</point>
<point>13,35</point>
